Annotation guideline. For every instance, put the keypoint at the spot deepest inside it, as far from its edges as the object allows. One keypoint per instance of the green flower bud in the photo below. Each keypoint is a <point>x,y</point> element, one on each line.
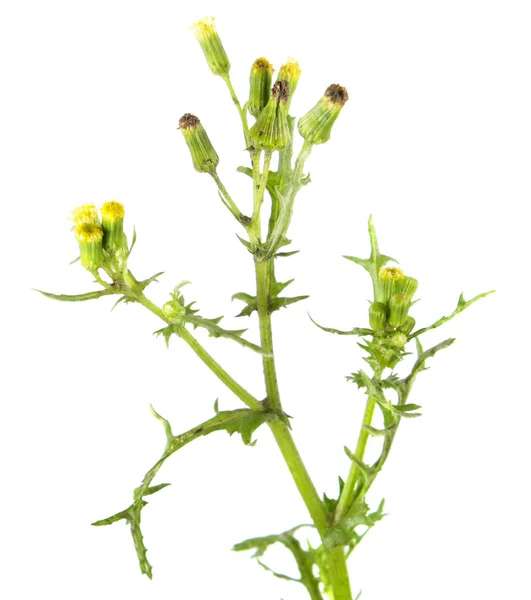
<point>204,156</point>
<point>210,42</point>
<point>90,238</point>
<point>260,85</point>
<point>173,310</point>
<point>112,222</point>
<point>408,286</point>
<point>398,339</point>
<point>408,326</point>
<point>377,315</point>
<point>316,126</point>
<point>291,73</point>
<point>399,305</point>
<point>389,279</point>
<point>271,130</point>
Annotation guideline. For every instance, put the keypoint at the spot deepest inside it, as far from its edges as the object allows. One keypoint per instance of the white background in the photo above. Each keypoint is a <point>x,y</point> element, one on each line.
<point>434,142</point>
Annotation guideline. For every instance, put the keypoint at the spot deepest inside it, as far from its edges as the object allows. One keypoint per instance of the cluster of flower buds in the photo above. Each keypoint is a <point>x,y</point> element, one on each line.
<point>99,239</point>
<point>393,299</point>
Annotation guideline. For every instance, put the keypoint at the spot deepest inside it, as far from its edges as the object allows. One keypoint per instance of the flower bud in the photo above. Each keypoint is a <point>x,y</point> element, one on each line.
<point>85,214</point>
<point>377,315</point>
<point>204,156</point>
<point>271,130</point>
<point>173,310</point>
<point>315,126</point>
<point>398,339</point>
<point>399,305</point>
<point>291,73</point>
<point>408,326</point>
<point>210,42</point>
<point>90,238</point>
<point>112,222</point>
<point>408,286</point>
<point>260,85</point>
<point>389,279</point>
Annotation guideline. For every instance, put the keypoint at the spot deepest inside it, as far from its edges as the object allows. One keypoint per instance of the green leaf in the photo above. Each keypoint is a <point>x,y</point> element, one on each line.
<point>243,421</point>
<point>78,297</point>
<point>423,356</point>
<point>281,302</point>
<point>305,559</point>
<point>344,533</point>
<point>356,331</point>
<point>376,261</point>
<point>380,432</point>
<point>250,301</point>
<point>214,330</point>
<point>143,284</point>
<point>462,304</point>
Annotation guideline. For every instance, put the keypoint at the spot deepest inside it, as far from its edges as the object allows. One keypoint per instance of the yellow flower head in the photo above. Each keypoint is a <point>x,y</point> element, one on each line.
<point>391,274</point>
<point>89,233</point>
<point>112,211</point>
<point>85,214</point>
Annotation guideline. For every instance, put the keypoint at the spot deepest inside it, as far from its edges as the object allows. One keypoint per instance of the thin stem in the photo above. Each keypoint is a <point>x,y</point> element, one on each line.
<point>241,111</point>
<point>287,200</point>
<point>337,567</point>
<point>226,198</point>
<point>349,489</point>
<point>209,361</point>
<point>259,185</point>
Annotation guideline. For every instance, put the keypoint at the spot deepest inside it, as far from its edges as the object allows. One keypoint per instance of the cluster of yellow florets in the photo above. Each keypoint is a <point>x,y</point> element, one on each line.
<point>95,235</point>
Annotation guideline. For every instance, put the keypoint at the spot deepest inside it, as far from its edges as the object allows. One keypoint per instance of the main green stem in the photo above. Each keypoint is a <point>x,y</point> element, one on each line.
<point>337,567</point>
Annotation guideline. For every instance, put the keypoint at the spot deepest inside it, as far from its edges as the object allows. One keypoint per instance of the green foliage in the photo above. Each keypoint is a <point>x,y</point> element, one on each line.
<point>276,301</point>
<point>306,560</point>
<point>186,314</point>
<point>243,421</point>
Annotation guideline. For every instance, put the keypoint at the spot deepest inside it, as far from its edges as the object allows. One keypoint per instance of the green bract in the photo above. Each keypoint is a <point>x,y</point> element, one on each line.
<point>388,333</point>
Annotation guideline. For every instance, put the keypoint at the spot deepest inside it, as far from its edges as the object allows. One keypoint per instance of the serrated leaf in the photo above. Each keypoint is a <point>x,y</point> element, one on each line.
<point>356,331</point>
<point>250,301</point>
<point>420,362</point>
<point>462,304</point>
<point>243,421</point>
<point>214,330</point>
<point>143,284</point>
<point>278,303</point>
<point>79,297</point>
<point>380,432</point>
<point>376,260</point>
<point>306,560</point>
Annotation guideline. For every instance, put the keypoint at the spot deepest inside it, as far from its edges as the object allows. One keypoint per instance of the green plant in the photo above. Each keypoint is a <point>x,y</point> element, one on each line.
<point>341,522</point>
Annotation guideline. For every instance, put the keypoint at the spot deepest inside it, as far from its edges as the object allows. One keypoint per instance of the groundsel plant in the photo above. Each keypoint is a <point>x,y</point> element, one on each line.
<point>388,334</point>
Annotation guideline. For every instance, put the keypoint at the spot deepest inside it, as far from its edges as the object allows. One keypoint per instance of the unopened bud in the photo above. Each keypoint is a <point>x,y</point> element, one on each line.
<point>260,85</point>
<point>112,222</point>
<point>377,315</point>
<point>408,286</point>
<point>271,130</point>
<point>408,326</point>
<point>399,305</point>
<point>398,339</point>
<point>173,310</point>
<point>389,279</point>
<point>291,73</point>
<point>316,126</point>
<point>90,238</point>
<point>210,42</point>
<point>204,156</point>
